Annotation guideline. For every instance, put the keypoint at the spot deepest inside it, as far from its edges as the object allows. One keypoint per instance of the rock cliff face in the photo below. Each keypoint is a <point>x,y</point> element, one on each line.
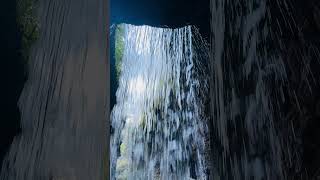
<point>64,104</point>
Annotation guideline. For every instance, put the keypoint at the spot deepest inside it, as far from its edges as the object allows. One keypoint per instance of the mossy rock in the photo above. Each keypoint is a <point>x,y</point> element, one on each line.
<point>119,48</point>
<point>123,148</point>
<point>28,25</point>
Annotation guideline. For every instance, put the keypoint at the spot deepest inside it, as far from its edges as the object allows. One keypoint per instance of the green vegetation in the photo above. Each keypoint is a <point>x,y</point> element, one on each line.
<point>122,162</point>
<point>119,48</point>
<point>28,24</point>
<point>123,148</point>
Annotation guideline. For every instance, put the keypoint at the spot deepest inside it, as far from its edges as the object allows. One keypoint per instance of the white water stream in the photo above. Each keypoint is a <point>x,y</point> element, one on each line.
<point>158,121</point>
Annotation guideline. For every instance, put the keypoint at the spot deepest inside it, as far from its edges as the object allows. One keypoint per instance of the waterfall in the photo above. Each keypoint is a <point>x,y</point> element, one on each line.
<point>159,121</point>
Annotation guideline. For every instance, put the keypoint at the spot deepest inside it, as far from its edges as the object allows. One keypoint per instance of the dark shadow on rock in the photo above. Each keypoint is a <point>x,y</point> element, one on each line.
<point>13,76</point>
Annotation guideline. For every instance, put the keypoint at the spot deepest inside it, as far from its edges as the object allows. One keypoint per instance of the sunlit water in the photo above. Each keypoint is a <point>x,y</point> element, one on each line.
<point>159,124</point>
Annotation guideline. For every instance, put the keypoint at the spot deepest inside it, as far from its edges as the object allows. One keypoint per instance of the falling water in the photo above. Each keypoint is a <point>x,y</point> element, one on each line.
<point>159,122</point>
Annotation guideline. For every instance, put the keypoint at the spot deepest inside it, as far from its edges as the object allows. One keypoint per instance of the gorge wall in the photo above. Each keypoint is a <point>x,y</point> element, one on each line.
<point>64,103</point>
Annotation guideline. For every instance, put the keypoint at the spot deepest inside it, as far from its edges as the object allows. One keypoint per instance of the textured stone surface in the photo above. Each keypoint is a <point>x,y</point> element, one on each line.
<point>64,103</point>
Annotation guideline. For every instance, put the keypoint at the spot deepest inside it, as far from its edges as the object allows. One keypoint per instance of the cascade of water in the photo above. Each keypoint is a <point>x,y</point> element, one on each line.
<point>159,121</point>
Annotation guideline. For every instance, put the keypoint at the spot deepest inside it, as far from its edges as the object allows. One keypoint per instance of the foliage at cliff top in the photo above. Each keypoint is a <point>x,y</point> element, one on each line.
<point>28,24</point>
<point>119,48</point>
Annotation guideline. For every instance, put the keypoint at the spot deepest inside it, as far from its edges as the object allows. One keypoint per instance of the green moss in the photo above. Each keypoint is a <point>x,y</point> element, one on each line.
<point>119,48</point>
<point>123,148</point>
<point>28,24</point>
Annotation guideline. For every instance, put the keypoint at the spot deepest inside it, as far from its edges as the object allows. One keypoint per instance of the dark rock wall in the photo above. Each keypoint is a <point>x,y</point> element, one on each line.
<point>64,104</point>
<point>300,51</point>
<point>12,75</point>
